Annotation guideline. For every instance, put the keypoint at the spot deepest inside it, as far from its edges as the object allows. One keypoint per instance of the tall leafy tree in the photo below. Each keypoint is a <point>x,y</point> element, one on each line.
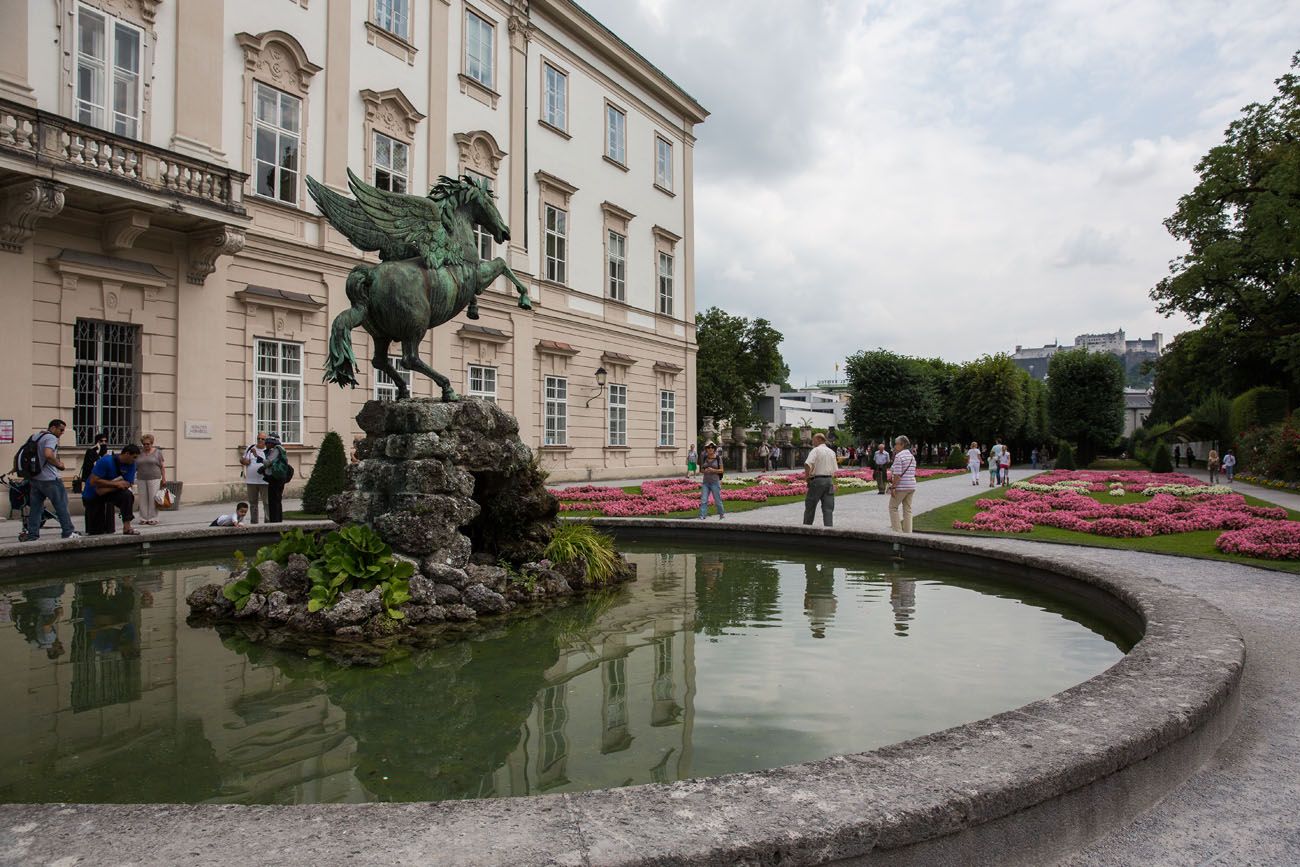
<point>1242,226</point>
<point>737,358</point>
<point>989,398</point>
<point>1085,400</point>
<point>892,394</point>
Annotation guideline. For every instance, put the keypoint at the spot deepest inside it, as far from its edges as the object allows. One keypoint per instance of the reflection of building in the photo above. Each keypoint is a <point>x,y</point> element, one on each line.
<point>172,275</point>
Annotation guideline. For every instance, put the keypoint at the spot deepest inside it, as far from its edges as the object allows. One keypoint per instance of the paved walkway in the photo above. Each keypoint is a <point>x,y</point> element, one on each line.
<point>184,518</point>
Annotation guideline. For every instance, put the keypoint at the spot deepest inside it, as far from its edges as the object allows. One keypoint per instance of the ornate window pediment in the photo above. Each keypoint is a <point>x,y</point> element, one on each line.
<point>390,112</point>
<point>278,59</point>
<point>479,152</point>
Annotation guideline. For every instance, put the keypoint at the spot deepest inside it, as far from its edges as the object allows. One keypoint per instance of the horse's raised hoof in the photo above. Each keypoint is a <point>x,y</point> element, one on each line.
<point>449,395</point>
<point>525,303</point>
<point>472,312</point>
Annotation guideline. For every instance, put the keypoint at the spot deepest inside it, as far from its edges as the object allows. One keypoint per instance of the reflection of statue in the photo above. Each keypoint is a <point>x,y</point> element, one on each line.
<point>819,597</point>
<point>902,598</point>
<point>430,269</point>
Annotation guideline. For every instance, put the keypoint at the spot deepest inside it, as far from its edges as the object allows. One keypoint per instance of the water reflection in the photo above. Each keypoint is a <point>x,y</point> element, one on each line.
<point>614,690</point>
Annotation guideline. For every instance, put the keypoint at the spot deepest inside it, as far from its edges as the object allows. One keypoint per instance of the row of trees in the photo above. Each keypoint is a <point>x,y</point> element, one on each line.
<point>931,400</point>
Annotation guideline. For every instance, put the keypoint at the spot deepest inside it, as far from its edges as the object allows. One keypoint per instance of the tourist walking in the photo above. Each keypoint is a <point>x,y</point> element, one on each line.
<point>881,461</point>
<point>275,486</point>
<point>711,472</point>
<point>1004,466</point>
<point>973,459</point>
<point>1229,464</point>
<point>151,473</point>
<point>776,457</point>
<point>1033,459</point>
<point>1178,456</point>
<point>819,473</point>
<point>993,457</point>
<point>47,484</point>
<point>109,488</point>
<point>692,461</point>
<point>1212,464</point>
<point>765,452</point>
<point>902,485</point>
<point>255,484</point>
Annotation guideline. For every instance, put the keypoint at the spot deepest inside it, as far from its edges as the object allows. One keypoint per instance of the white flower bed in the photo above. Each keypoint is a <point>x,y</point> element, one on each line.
<point>1047,489</point>
<point>1186,490</point>
<point>853,482</point>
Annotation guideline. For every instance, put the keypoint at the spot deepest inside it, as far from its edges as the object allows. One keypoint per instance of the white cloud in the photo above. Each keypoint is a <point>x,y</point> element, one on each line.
<point>949,178</point>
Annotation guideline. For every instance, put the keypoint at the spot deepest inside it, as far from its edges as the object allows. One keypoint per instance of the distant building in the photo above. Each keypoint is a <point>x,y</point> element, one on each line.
<point>1134,353</point>
<point>1137,406</point>
<point>814,406</point>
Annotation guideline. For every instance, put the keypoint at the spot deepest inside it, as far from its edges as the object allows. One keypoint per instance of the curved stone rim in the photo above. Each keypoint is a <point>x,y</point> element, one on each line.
<point>1018,787</point>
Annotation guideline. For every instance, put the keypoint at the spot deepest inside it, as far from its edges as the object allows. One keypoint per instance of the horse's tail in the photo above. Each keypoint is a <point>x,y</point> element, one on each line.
<point>341,365</point>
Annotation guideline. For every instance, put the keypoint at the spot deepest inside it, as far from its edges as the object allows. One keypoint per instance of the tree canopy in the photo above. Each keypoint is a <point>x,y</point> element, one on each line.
<point>1085,400</point>
<point>989,397</point>
<point>737,358</point>
<point>1242,226</point>
<point>892,394</point>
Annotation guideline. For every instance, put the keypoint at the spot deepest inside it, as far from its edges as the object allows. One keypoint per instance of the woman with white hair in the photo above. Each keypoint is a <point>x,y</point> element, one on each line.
<point>902,485</point>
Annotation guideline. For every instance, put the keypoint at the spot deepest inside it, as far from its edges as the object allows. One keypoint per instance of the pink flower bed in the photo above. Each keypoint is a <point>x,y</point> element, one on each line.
<point>1256,531</point>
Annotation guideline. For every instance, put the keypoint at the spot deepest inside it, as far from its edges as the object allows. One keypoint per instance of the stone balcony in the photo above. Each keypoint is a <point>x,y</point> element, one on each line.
<point>48,161</point>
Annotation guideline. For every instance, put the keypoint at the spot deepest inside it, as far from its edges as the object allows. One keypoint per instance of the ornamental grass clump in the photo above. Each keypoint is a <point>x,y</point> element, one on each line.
<point>571,543</point>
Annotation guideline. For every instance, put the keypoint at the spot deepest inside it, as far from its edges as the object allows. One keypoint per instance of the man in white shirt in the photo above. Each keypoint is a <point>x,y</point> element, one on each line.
<point>819,472</point>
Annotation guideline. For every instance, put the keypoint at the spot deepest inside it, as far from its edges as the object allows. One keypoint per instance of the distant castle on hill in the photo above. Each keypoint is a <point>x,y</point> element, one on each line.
<point>1133,353</point>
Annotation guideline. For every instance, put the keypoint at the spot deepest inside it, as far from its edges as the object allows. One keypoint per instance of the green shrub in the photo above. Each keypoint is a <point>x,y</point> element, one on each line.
<point>1263,405</point>
<point>328,476</point>
<point>1161,459</point>
<point>1065,458</point>
<point>572,542</point>
<point>956,460</point>
<point>1271,452</point>
<point>356,558</point>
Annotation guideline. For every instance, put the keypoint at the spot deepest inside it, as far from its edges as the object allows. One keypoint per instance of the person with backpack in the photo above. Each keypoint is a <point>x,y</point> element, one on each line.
<point>38,462</point>
<point>109,488</point>
<point>278,472</point>
<point>253,459</point>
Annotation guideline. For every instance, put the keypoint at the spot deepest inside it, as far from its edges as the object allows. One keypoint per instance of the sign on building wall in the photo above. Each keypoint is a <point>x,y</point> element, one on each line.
<point>198,430</point>
<point>6,430</point>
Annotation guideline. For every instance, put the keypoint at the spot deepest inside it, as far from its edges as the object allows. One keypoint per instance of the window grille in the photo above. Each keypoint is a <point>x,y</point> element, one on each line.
<point>277,385</point>
<point>106,382</point>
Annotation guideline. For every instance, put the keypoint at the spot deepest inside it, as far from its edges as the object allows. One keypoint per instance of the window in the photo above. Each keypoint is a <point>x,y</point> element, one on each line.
<point>483,382</point>
<point>557,243</point>
<point>663,683</point>
<point>481,235</point>
<point>109,52</point>
<point>277,387</point>
<point>615,694</point>
<point>386,386</point>
<point>394,16</point>
<point>555,111</point>
<point>480,38</point>
<point>663,163</point>
<point>556,412</point>
<point>277,133</point>
<point>390,164</point>
<point>555,716</point>
<point>665,284</point>
<point>615,134</point>
<point>105,386</point>
<point>617,266</point>
<point>667,418</point>
<point>618,415</point>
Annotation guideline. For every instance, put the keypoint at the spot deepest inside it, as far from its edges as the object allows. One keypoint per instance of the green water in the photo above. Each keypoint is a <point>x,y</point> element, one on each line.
<point>715,660</point>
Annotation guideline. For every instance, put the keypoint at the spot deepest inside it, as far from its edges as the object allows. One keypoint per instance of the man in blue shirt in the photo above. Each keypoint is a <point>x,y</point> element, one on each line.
<point>109,487</point>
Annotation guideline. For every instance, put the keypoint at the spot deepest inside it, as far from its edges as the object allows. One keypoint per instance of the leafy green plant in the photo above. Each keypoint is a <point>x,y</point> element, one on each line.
<point>514,576</point>
<point>573,541</point>
<point>239,591</point>
<point>356,558</point>
<point>328,476</point>
<point>295,541</point>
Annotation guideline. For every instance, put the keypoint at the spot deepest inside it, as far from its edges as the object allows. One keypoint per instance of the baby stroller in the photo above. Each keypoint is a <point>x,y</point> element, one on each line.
<point>20,500</point>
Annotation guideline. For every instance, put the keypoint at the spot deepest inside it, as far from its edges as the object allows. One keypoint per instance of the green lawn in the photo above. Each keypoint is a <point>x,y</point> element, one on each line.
<point>1199,544</point>
<point>1116,464</point>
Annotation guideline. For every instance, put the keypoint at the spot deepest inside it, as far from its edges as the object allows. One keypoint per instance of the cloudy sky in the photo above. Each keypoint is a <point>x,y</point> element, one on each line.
<point>950,178</point>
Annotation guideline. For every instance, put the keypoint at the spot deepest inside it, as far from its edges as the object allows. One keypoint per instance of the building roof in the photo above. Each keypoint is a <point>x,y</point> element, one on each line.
<point>1137,400</point>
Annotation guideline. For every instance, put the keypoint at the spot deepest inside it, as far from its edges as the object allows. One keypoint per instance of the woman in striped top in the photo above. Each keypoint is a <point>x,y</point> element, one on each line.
<point>902,485</point>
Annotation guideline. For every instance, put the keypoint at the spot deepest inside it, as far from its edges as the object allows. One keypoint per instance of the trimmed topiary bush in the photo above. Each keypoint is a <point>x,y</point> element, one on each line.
<point>328,476</point>
<point>1162,461</point>
<point>1065,458</point>
<point>1263,405</point>
<point>957,460</point>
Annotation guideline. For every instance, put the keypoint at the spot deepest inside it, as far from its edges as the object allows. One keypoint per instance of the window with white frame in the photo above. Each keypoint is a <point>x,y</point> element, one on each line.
<point>277,389</point>
<point>109,80</point>
<point>667,418</point>
<point>483,237</point>
<point>394,16</point>
<point>106,387</point>
<point>617,251</point>
<point>556,411</point>
<point>618,415</point>
<point>482,382</point>
<point>392,163</point>
<point>555,110</point>
<point>665,284</point>
<point>555,716</point>
<point>663,162</point>
<point>278,132</point>
<point>480,36</point>
<point>386,386</point>
<point>557,244</point>
<point>615,134</point>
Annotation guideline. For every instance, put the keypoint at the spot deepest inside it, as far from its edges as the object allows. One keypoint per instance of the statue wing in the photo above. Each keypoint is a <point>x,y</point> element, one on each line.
<point>351,219</point>
<point>413,221</point>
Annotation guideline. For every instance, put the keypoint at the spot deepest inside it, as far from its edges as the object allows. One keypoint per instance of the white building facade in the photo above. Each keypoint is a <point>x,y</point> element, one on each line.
<point>170,274</point>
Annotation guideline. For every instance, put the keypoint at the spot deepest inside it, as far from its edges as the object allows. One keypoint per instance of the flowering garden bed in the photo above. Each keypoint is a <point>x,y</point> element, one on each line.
<point>1164,512</point>
<point>679,497</point>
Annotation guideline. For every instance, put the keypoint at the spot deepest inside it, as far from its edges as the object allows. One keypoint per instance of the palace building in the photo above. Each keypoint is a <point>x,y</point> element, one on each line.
<point>165,271</point>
